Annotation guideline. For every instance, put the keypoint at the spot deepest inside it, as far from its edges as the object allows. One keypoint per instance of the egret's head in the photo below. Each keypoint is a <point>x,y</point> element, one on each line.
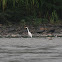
<point>27,28</point>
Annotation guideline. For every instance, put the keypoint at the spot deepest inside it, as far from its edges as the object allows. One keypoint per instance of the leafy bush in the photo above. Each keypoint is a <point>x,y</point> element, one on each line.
<point>54,17</point>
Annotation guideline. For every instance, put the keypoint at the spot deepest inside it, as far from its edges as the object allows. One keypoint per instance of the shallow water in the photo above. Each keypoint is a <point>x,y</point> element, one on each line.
<point>30,50</point>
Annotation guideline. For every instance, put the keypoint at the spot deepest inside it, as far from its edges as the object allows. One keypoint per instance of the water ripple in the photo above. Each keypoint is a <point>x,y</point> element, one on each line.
<point>34,50</point>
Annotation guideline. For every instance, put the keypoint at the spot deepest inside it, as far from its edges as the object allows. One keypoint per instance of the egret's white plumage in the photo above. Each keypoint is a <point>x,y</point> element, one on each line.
<point>29,33</point>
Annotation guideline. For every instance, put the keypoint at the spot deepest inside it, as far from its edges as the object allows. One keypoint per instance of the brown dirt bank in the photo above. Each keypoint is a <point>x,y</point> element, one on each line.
<point>42,30</point>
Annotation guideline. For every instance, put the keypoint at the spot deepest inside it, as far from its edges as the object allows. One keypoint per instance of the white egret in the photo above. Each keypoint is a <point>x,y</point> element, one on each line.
<point>29,33</point>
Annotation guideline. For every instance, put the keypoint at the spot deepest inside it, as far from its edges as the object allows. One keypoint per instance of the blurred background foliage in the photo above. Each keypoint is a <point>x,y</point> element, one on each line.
<point>34,12</point>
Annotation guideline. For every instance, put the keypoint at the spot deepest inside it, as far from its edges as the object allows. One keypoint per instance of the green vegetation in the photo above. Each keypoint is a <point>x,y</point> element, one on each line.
<point>34,12</point>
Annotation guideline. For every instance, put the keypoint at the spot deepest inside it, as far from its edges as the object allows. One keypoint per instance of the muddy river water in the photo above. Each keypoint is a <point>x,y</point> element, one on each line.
<point>31,49</point>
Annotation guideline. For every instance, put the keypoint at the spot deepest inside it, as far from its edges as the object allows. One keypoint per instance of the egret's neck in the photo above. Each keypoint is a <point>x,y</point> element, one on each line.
<point>27,29</point>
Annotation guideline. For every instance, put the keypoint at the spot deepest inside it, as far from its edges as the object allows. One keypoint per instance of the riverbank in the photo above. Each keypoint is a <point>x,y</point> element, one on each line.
<point>39,31</point>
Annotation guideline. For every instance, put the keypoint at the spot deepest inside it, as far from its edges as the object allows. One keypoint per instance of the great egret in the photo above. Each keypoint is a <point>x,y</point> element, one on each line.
<point>29,33</point>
